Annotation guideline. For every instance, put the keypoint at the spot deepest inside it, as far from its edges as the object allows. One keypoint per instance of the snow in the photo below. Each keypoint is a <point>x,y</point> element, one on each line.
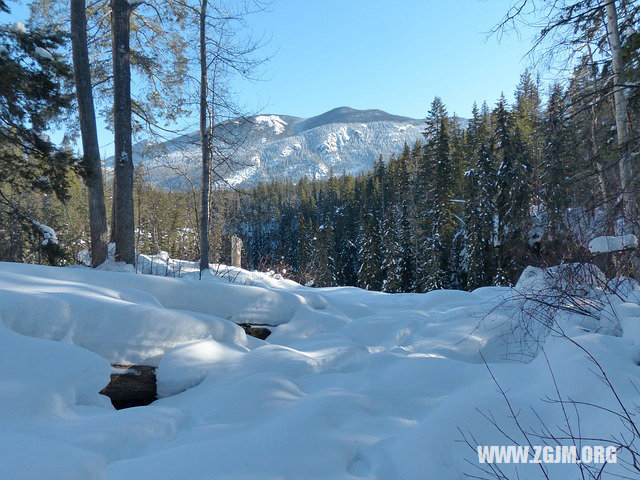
<point>336,139</point>
<point>18,27</point>
<point>542,280</point>
<point>43,53</point>
<point>309,142</point>
<point>272,121</point>
<point>49,236</point>
<point>608,244</point>
<point>350,384</point>
<point>188,364</point>
<point>241,176</point>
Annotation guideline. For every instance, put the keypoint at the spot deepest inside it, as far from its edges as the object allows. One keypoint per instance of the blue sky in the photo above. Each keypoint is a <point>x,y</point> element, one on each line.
<point>395,56</point>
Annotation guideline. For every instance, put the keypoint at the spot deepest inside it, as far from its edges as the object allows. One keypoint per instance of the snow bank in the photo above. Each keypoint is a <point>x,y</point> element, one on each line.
<point>351,384</point>
<point>608,244</point>
<point>124,318</point>
<point>188,364</point>
<point>40,377</point>
<point>570,276</point>
<point>41,384</point>
<point>29,457</point>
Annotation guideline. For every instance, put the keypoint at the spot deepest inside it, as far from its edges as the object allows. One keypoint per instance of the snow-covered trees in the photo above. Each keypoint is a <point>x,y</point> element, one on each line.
<point>480,208</point>
<point>512,194</point>
<point>324,257</point>
<point>435,206</point>
<point>469,206</point>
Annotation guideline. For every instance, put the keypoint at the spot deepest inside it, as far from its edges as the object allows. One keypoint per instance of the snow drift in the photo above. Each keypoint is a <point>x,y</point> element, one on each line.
<point>351,384</point>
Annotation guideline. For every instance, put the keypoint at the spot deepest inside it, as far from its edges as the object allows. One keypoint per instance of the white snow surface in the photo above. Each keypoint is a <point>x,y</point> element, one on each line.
<point>272,121</point>
<point>351,384</point>
<point>610,243</point>
<point>18,27</point>
<point>43,53</point>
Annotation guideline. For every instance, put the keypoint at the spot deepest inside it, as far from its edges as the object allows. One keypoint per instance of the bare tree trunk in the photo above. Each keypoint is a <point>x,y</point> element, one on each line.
<point>205,142</point>
<point>607,199</point>
<point>602,183</point>
<point>89,132</point>
<point>620,110</point>
<point>123,161</point>
<point>112,236</point>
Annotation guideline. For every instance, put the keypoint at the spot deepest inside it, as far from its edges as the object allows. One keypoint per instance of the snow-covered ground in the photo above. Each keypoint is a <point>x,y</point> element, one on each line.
<point>351,384</point>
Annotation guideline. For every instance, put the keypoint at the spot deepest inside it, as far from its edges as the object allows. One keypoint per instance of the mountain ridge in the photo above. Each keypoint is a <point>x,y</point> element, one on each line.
<point>269,147</point>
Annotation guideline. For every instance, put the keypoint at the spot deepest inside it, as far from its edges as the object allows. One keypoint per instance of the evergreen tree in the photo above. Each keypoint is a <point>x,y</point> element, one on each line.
<point>304,248</point>
<point>512,196</point>
<point>392,253</point>
<point>407,262</point>
<point>370,275</point>
<point>479,217</point>
<point>435,209</point>
<point>557,162</point>
<point>33,94</point>
<point>324,256</point>
<point>527,117</point>
<point>370,272</point>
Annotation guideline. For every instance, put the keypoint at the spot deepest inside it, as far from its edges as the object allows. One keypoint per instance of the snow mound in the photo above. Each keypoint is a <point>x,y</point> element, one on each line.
<point>608,244</point>
<point>569,276</point>
<point>121,317</point>
<point>188,364</point>
<point>351,384</point>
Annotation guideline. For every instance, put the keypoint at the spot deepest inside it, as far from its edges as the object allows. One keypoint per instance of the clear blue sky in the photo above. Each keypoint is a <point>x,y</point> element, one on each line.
<point>395,56</point>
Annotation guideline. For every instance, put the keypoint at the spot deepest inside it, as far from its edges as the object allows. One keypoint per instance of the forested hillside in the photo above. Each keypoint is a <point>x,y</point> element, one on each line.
<point>264,148</point>
<point>528,181</point>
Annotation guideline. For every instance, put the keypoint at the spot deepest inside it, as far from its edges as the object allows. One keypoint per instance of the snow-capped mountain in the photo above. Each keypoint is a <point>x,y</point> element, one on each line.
<point>281,147</point>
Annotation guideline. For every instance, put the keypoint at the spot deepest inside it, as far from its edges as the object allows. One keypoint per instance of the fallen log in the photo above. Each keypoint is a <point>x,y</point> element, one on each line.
<point>256,330</point>
<point>131,386</point>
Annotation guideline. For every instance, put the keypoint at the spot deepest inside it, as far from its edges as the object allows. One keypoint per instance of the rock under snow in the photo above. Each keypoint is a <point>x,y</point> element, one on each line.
<point>609,244</point>
<point>575,275</point>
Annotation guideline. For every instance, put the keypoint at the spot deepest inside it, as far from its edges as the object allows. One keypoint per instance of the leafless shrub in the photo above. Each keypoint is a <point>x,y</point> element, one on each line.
<point>541,303</point>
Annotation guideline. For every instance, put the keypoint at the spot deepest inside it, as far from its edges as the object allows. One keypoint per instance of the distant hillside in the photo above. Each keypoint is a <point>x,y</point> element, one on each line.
<point>282,147</point>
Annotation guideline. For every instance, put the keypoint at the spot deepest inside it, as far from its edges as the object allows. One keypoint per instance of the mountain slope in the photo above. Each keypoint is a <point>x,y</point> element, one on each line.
<point>281,147</point>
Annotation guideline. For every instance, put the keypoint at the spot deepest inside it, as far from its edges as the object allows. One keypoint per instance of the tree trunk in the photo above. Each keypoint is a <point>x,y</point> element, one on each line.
<point>112,236</point>
<point>620,110</point>
<point>205,143</point>
<point>607,199</point>
<point>602,183</point>
<point>89,132</point>
<point>123,163</point>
